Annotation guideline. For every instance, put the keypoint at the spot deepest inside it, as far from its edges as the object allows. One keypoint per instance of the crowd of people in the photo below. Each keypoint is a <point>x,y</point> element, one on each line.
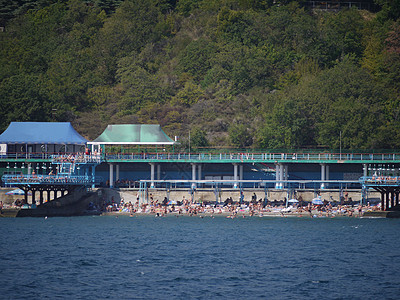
<point>232,209</point>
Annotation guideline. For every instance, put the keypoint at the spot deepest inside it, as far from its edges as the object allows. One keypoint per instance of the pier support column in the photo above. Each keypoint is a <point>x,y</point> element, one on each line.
<point>29,169</point>
<point>392,199</point>
<point>152,166</point>
<point>277,175</point>
<point>323,173</point>
<point>41,197</point>
<point>365,170</point>
<point>111,176</point>
<point>382,201</point>
<point>117,172</point>
<point>326,175</point>
<point>281,175</point>
<point>240,172</point>
<point>285,174</point>
<point>387,201</point>
<point>199,172</point>
<point>158,172</point>
<point>193,175</point>
<point>235,176</point>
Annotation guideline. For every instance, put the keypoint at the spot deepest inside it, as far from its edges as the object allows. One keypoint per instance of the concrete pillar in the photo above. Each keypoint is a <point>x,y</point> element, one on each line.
<point>117,172</point>
<point>241,172</point>
<point>199,173</point>
<point>281,175</point>
<point>285,169</point>
<point>365,170</point>
<point>323,172</point>
<point>392,200</point>
<point>235,175</point>
<point>326,175</point>
<point>193,175</point>
<point>111,175</point>
<point>277,175</point>
<point>29,169</point>
<point>387,206</point>
<point>158,172</point>
<point>152,166</point>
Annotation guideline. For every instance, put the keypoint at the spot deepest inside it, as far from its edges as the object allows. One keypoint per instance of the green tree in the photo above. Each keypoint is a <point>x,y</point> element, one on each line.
<point>239,135</point>
<point>198,138</point>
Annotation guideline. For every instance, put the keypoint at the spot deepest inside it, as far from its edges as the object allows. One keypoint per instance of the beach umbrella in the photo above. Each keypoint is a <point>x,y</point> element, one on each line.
<point>293,201</point>
<point>317,201</point>
<point>16,192</point>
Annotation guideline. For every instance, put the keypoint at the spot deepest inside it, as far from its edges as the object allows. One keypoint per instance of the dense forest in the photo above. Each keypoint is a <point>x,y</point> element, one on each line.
<point>239,73</point>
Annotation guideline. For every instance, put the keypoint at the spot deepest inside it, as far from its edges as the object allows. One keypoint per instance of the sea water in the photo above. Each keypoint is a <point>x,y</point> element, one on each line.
<point>143,257</point>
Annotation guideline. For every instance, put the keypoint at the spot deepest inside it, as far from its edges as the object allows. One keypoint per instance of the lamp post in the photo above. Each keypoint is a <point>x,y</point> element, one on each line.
<point>53,112</point>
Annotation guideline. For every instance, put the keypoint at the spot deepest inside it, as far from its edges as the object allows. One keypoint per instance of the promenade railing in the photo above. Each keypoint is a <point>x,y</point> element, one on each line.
<point>334,157</point>
<point>211,156</point>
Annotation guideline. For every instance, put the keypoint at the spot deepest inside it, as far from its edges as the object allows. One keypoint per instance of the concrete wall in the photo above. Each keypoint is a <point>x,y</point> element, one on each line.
<point>209,195</point>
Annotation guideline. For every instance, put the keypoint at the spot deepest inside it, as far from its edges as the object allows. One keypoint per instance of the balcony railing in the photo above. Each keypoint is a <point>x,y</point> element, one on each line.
<point>50,179</point>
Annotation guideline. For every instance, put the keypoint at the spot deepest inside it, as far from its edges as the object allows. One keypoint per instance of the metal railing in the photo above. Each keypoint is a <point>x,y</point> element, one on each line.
<point>241,157</point>
<point>380,180</point>
<point>76,158</point>
<point>51,179</point>
<point>211,156</point>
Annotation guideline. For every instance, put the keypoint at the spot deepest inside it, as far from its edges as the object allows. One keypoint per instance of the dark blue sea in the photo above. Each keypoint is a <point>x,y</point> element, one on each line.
<point>199,258</point>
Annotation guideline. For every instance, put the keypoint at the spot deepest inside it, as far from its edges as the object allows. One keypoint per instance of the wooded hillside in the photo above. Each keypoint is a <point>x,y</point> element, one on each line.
<point>243,73</point>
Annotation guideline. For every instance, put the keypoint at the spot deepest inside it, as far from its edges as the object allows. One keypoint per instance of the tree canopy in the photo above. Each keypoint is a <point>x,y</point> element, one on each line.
<point>260,74</point>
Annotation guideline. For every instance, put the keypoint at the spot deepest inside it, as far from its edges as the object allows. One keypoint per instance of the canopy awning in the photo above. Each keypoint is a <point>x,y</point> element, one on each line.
<point>41,133</point>
<point>133,134</point>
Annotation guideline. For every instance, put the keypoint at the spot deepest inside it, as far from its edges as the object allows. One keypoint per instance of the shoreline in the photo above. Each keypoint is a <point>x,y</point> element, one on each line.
<point>232,215</point>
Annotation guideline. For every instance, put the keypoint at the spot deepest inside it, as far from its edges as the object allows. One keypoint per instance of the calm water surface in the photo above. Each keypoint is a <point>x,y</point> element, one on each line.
<point>193,258</point>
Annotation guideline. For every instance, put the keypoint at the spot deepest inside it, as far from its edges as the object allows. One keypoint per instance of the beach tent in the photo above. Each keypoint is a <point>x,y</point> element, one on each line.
<point>41,137</point>
<point>133,134</point>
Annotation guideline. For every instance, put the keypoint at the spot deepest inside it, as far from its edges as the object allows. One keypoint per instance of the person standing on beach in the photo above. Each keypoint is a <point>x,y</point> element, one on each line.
<point>360,210</point>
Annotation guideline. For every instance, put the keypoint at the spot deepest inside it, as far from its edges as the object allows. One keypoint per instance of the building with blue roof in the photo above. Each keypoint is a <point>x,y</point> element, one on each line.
<point>41,137</point>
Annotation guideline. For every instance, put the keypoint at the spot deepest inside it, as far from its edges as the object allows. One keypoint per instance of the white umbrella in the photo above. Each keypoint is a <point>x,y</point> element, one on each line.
<point>317,201</point>
<point>16,192</point>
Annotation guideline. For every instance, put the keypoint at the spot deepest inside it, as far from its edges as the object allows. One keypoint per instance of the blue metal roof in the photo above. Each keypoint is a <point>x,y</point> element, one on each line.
<point>41,133</point>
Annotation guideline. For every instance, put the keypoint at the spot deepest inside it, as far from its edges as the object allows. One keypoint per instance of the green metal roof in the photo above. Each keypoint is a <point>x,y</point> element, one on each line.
<point>133,134</point>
